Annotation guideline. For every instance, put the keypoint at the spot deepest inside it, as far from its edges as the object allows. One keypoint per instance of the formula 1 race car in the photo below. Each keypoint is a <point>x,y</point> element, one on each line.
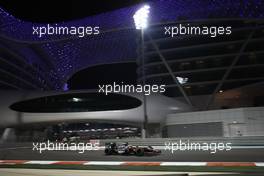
<point>125,149</point>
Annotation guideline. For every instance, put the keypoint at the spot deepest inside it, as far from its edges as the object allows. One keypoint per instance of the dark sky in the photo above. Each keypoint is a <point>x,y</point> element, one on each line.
<point>90,78</point>
<point>61,10</point>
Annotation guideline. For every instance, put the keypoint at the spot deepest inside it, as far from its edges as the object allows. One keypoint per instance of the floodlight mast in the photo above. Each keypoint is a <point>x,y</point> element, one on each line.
<point>141,23</point>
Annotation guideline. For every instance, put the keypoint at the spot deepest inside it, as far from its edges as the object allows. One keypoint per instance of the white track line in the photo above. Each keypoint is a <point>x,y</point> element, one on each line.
<point>183,163</point>
<point>111,163</point>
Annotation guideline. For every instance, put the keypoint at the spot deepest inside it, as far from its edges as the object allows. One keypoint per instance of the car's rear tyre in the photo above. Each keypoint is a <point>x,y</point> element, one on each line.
<point>108,151</point>
<point>140,152</point>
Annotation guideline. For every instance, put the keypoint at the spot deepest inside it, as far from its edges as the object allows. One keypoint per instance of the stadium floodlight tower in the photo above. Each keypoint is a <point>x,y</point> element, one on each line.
<point>141,23</point>
<point>141,17</point>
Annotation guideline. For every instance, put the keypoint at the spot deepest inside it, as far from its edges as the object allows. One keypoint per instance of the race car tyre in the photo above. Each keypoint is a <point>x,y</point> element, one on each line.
<point>108,151</point>
<point>140,152</point>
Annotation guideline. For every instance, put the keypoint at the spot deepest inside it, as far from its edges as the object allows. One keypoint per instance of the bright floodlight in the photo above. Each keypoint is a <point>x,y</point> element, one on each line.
<point>141,17</point>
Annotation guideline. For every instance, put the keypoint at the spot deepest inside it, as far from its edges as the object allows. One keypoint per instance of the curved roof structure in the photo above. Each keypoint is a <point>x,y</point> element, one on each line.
<point>31,62</point>
<point>23,107</point>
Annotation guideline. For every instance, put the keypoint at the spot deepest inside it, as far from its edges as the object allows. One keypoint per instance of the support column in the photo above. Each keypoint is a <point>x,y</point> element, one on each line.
<point>8,135</point>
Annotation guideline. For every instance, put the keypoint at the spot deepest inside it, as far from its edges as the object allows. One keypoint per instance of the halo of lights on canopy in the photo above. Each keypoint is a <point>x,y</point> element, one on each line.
<point>56,58</point>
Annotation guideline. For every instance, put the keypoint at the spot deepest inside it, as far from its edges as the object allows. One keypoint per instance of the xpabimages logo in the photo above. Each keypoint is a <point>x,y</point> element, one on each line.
<point>213,147</point>
<point>55,146</point>
<point>79,31</point>
<point>124,88</point>
<point>187,29</point>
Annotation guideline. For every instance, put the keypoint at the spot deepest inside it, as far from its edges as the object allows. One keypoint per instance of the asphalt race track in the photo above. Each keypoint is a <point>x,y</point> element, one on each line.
<point>234,155</point>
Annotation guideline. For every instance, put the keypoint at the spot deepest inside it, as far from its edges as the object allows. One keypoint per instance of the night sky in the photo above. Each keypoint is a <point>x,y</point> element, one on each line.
<point>48,11</point>
<point>90,78</point>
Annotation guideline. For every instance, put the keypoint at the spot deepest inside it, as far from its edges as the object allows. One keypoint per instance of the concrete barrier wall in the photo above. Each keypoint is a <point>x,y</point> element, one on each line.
<point>237,141</point>
<point>235,122</point>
